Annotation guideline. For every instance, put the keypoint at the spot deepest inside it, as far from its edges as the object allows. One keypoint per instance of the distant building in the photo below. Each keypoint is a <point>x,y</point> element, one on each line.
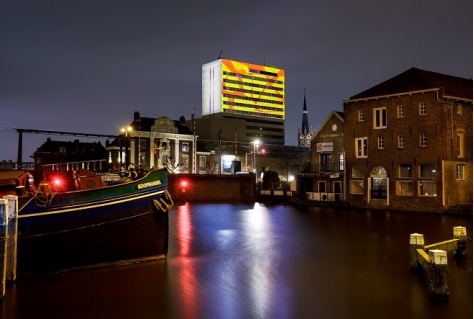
<point>408,143</point>
<point>249,92</point>
<point>67,155</point>
<point>154,143</point>
<point>306,133</point>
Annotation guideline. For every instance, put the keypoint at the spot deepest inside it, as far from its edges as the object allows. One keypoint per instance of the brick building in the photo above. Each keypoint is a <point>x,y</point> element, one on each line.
<point>408,143</point>
<point>327,160</point>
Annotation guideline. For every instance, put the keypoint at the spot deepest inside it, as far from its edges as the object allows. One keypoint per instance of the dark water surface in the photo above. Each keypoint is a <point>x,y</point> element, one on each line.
<point>246,261</point>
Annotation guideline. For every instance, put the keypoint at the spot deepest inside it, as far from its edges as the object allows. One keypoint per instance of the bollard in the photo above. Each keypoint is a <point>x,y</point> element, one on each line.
<point>460,234</point>
<point>3,244</point>
<point>417,241</point>
<point>12,240</point>
<point>438,274</point>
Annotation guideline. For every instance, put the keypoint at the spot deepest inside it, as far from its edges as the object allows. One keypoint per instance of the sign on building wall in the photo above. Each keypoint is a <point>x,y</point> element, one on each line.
<point>324,147</point>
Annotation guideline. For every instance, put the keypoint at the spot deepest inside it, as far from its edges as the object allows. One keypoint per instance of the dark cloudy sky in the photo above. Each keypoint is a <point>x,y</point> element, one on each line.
<point>86,66</point>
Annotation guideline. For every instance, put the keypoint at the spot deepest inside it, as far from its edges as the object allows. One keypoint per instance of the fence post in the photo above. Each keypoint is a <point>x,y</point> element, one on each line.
<point>417,241</point>
<point>3,244</point>
<point>460,234</point>
<point>12,240</point>
<point>438,274</point>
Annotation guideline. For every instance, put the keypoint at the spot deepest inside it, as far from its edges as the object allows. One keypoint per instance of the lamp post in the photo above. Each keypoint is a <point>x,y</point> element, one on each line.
<point>256,143</point>
<point>126,130</point>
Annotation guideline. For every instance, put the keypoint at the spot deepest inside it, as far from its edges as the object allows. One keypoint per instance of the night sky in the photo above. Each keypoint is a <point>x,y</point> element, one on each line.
<point>87,66</point>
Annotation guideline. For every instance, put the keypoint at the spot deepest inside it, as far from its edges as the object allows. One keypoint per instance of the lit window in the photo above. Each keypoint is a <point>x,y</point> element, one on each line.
<point>356,186</point>
<point>422,108</point>
<point>358,171</point>
<point>185,147</point>
<point>380,142</point>
<point>361,115</point>
<point>400,111</point>
<point>404,188</point>
<point>380,117</point>
<point>460,172</point>
<point>423,140</point>
<point>401,141</point>
<point>427,188</point>
<point>460,144</point>
<point>202,161</point>
<point>142,144</point>
<point>459,108</point>
<point>361,147</point>
<point>404,171</point>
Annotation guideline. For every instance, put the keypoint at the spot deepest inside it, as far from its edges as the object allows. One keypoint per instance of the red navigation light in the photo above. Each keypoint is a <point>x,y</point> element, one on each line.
<point>263,151</point>
<point>184,183</point>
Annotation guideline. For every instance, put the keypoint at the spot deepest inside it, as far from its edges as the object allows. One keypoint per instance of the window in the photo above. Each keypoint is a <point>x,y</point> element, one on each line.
<point>460,144</point>
<point>358,171</point>
<point>110,157</point>
<point>185,147</point>
<point>380,117</point>
<point>356,186</point>
<point>423,140</point>
<point>380,142</point>
<point>142,158</point>
<point>185,160</point>
<point>404,188</point>
<point>400,111</point>
<point>401,141</point>
<point>142,144</point>
<point>459,108</point>
<point>325,162</point>
<point>361,115</point>
<point>202,161</point>
<point>460,172</point>
<point>404,171</point>
<point>321,186</point>
<point>341,162</point>
<point>427,171</point>
<point>361,147</point>
<point>427,188</point>
<point>422,108</point>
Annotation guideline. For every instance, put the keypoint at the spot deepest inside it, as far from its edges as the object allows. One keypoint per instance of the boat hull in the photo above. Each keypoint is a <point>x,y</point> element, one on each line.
<point>93,230</point>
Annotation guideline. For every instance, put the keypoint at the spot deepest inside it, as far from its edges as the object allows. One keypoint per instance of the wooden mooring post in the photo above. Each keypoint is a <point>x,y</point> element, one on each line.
<point>8,240</point>
<point>433,259</point>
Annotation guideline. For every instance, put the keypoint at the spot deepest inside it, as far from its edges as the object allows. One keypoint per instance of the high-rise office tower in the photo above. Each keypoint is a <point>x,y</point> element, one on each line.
<point>250,92</point>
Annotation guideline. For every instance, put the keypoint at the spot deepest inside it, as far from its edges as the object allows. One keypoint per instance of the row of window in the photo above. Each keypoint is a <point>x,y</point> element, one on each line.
<point>426,171</point>
<point>250,77</point>
<point>259,114</point>
<point>239,97</point>
<point>255,85</point>
<point>262,107</point>
<point>361,144</point>
<point>403,188</point>
<point>228,88</point>
<point>380,114</point>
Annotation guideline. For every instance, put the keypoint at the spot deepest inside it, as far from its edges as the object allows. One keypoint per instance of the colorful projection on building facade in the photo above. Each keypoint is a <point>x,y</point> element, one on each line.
<point>243,88</point>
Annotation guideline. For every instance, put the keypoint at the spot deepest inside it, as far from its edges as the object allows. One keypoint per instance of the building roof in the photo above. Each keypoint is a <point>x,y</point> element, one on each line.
<point>51,146</point>
<point>416,79</point>
<point>145,124</point>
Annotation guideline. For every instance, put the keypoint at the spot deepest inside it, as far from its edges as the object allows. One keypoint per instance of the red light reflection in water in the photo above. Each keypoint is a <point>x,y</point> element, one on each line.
<point>187,281</point>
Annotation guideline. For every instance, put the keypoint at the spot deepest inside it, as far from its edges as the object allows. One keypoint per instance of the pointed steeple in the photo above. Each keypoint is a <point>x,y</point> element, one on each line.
<point>305,134</point>
<point>304,125</point>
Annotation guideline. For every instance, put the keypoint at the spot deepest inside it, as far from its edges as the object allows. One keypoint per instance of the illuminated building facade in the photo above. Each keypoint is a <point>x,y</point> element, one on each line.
<point>255,93</point>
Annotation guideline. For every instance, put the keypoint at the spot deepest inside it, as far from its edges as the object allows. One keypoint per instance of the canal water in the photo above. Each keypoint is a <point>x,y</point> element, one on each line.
<point>256,261</point>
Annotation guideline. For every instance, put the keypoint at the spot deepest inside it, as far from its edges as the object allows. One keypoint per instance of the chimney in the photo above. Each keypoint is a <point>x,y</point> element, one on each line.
<point>182,120</point>
<point>136,116</point>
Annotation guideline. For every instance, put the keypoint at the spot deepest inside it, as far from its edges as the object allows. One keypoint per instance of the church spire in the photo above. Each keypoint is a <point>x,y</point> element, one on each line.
<point>304,136</point>
<point>304,125</point>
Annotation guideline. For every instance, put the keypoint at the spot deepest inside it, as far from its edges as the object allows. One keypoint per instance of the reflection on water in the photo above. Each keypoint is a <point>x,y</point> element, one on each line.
<point>255,261</point>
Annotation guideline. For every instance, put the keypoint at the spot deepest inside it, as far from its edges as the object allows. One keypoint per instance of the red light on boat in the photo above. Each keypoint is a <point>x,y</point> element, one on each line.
<point>57,182</point>
<point>184,184</point>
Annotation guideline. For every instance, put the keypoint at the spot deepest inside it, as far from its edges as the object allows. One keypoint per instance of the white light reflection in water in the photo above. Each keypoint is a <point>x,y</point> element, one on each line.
<point>263,262</point>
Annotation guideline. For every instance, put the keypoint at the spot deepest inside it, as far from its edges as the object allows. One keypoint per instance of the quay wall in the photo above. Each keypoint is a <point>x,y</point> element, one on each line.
<point>211,188</point>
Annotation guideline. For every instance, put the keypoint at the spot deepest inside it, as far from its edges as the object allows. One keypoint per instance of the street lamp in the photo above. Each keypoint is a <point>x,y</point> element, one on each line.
<point>126,130</point>
<point>256,143</point>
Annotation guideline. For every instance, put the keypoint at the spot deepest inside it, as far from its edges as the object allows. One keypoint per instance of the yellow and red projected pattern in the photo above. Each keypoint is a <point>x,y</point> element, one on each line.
<point>253,89</point>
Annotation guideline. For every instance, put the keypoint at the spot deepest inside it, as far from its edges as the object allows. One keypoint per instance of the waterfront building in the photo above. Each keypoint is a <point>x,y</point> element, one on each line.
<point>327,164</point>
<point>408,143</point>
<point>154,143</point>
<point>250,92</point>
